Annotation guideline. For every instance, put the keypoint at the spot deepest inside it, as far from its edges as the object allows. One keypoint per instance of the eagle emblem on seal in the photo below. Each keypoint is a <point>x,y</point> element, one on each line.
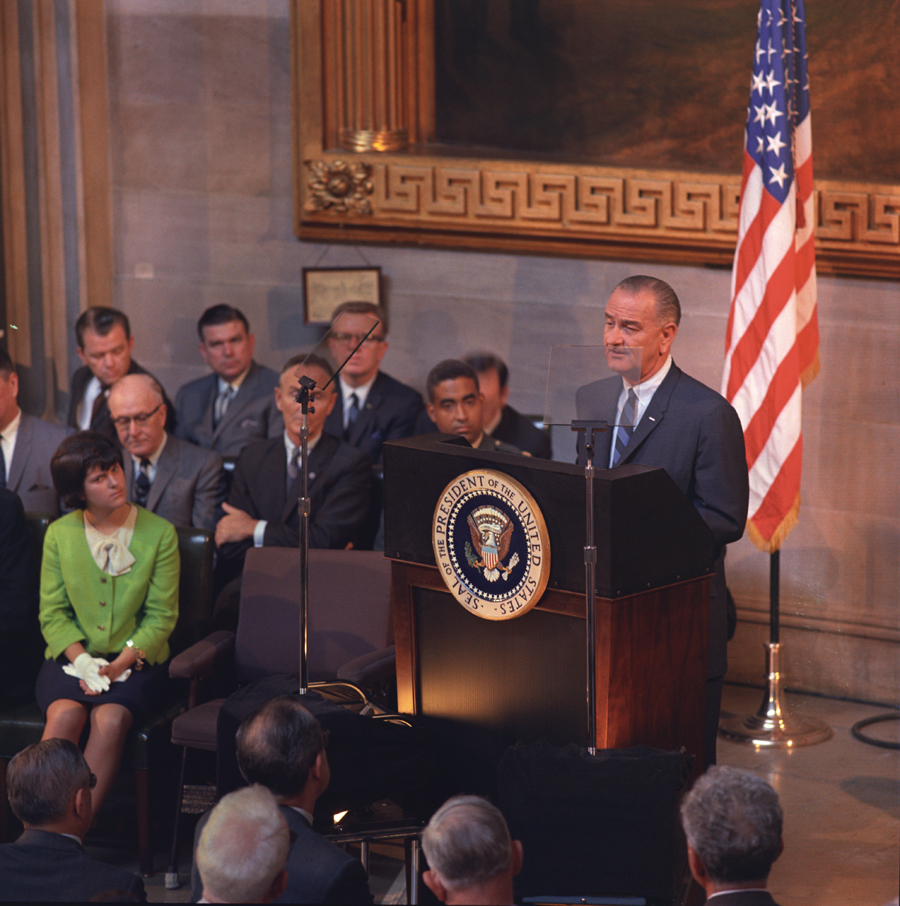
<point>491,530</point>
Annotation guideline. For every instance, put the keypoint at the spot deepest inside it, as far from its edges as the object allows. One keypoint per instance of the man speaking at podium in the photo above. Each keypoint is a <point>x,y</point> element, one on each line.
<point>681,426</point>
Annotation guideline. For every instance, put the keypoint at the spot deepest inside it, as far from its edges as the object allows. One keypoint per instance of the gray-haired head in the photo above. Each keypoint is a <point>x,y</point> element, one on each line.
<point>243,847</point>
<point>467,842</point>
<point>42,779</point>
<point>668,308</point>
<point>732,820</point>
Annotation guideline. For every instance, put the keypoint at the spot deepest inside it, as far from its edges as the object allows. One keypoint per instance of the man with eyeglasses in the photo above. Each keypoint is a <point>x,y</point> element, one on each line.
<point>281,746</point>
<point>174,479</point>
<point>105,344</point>
<point>372,407</point>
<point>49,786</point>
<point>234,405</point>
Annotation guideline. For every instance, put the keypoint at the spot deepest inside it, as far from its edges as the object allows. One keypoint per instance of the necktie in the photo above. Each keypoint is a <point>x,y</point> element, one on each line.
<point>2,467</point>
<point>352,414</point>
<point>626,429</point>
<point>98,405</point>
<point>223,400</point>
<point>142,483</point>
<point>294,466</point>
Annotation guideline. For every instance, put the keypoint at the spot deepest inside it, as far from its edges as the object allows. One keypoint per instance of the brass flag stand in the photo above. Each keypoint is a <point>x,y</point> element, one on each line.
<point>772,726</point>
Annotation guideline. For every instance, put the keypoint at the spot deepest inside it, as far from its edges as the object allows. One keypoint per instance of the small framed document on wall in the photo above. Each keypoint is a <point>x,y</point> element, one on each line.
<point>324,288</point>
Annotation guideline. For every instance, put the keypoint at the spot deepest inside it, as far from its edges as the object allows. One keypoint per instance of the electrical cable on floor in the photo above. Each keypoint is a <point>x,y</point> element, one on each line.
<point>857,728</point>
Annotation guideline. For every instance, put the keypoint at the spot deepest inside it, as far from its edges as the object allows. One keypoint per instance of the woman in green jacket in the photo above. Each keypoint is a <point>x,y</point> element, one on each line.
<point>109,601</point>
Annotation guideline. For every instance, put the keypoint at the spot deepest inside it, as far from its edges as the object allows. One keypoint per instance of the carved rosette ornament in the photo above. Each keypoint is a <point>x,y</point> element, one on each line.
<point>338,186</point>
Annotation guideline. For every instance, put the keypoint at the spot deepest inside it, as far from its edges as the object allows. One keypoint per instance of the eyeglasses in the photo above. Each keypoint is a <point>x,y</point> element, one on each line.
<point>326,735</point>
<point>93,781</point>
<point>125,420</point>
<point>353,339</point>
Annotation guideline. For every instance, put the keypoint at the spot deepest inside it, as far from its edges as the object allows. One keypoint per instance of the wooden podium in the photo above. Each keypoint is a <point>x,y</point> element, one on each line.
<point>481,686</point>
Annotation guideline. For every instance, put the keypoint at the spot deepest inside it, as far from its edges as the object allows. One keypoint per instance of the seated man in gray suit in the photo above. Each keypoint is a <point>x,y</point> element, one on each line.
<point>26,445</point>
<point>174,479</point>
<point>732,820</point>
<point>234,405</point>
<point>49,787</point>
<point>282,747</point>
<point>456,405</point>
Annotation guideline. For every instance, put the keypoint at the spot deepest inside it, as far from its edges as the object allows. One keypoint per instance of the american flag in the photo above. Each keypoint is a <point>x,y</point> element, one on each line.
<point>772,342</point>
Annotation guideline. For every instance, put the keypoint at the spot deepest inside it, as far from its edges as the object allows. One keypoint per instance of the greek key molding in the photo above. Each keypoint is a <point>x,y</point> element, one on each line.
<point>696,215</point>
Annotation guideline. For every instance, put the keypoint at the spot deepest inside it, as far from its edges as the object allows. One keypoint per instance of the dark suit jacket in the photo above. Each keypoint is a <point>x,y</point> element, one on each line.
<point>339,487</point>
<point>103,420</point>
<point>513,428</point>
<point>743,898</point>
<point>390,413</point>
<point>29,472</point>
<point>318,870</point>
<point>18,604</point>
<point>187,487</point>
<point>46,867</point>
<point>252,414</point>
<point>695,435</point>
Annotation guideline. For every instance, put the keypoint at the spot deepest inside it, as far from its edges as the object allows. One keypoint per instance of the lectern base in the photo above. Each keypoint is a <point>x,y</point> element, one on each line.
<point>772,726</point>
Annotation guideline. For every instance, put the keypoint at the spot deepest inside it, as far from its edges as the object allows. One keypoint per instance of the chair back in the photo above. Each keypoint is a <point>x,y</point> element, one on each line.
<point>38,523</point>
<point>195,547</point>
<point>349,611</point>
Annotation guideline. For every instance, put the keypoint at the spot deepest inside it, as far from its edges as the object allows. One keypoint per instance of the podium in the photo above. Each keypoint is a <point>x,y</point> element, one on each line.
<point>481,685</point>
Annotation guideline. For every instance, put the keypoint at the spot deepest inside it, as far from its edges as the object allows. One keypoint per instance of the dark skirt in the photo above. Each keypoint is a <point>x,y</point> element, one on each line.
<point>141,693</point>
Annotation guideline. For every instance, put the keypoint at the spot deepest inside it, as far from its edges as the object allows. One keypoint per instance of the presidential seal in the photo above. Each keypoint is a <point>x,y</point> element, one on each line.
<point>491,544</point>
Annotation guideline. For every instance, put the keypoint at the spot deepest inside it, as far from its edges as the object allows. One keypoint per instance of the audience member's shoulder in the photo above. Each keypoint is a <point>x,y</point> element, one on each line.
<point>701,391</point>
<point>341,452</point>
<point>192,452</point>
<point>492,445</point>
<point>264,375</point>
<point>191,388</point>
<point>399,389</point>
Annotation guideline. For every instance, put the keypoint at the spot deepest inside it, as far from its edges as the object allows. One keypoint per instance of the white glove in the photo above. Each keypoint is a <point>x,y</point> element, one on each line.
<point>87,668</point>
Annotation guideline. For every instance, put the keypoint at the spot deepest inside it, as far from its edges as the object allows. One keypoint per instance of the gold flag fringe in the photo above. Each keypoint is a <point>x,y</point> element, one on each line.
<point>770,545</point>
<point>810,373</point>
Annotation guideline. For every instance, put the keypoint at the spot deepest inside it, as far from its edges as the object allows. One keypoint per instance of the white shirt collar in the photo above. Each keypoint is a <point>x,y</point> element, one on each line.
<point>291,448</point>
<point>236,383</point>
<point>154,459</point>
<point>361,392</point>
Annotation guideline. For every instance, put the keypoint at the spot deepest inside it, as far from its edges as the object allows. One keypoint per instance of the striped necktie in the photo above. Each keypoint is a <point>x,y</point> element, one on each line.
<point>626,429</point>
<point>142,483</point>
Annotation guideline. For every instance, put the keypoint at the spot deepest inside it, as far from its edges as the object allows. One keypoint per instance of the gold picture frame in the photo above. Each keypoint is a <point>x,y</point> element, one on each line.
<point>364,79</point>
<point>324,288</point>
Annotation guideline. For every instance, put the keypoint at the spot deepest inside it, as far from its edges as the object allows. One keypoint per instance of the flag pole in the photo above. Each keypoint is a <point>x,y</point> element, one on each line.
<point>772,726</point>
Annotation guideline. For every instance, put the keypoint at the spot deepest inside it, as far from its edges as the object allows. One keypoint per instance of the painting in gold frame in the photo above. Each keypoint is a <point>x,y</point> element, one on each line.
<point>368,167</point>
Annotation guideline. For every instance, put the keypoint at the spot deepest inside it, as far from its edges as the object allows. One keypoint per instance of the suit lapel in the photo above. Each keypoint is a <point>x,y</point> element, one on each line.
<point>318,461</point>
<point>128,469</point>
<point>240,401</point>
<point>653,415</point>
<point>166,469</point>
<point>364,423</point>
<point>16,469</point>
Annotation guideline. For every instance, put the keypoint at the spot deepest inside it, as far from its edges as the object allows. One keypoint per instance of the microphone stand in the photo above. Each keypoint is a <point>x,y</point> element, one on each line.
<point>307,385</point>
<point>585,430</point>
